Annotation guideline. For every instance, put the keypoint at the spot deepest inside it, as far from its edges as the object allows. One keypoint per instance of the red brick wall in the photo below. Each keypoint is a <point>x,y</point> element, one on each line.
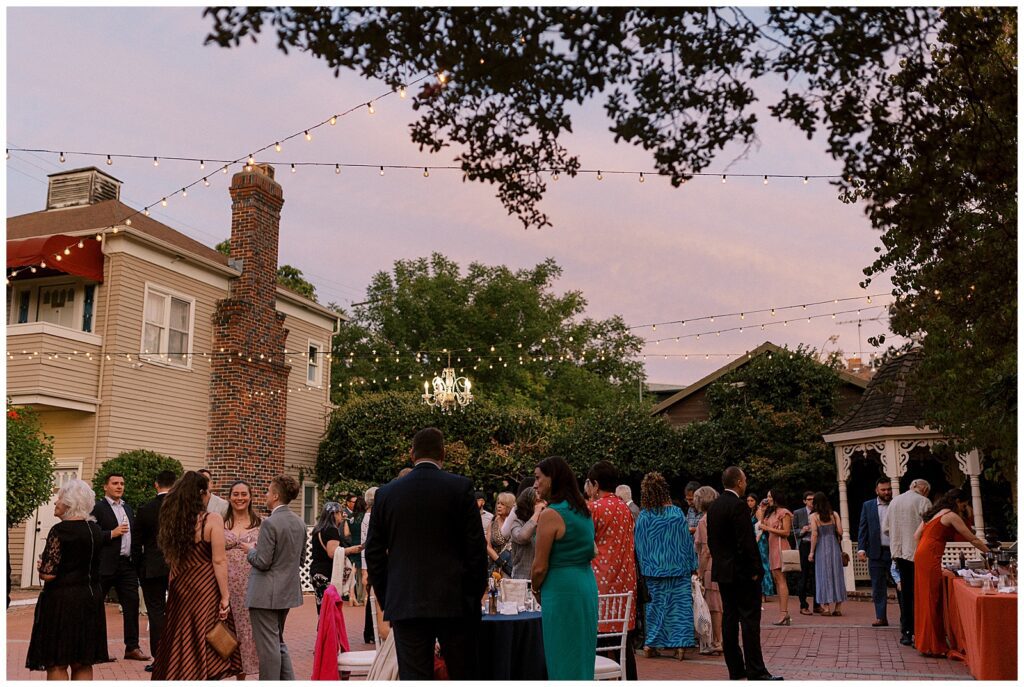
<point>249,393</point>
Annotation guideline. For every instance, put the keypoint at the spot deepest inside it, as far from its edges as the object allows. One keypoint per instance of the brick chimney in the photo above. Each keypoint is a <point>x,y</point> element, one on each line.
<point>248,392</point>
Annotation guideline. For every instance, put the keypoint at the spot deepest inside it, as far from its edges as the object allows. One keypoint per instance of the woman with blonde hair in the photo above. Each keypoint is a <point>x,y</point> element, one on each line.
<point>70,626</point>
<point>192,541</point>
<point>499,547</point>
<point>702,499</point>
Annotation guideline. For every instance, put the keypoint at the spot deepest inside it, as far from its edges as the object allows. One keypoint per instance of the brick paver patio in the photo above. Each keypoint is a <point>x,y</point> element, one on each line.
<point>813,648</point>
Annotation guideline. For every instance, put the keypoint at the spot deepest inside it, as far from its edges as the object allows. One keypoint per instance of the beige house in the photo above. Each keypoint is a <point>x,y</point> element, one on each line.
<point>114,344</point>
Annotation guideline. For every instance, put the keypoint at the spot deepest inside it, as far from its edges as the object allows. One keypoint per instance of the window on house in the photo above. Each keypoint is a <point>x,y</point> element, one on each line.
<point>314,364</point>
<point>61,302</point>
<point>309,513</point>
<point>167,327</point>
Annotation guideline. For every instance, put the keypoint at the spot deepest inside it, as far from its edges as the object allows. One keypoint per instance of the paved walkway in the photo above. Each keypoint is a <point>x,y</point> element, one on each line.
<point>813,648</point>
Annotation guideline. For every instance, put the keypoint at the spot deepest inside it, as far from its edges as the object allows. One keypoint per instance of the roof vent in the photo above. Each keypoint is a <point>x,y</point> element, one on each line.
<point>85,186</point>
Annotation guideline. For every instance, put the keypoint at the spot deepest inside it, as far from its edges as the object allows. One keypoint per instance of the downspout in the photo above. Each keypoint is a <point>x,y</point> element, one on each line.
<point>103,356</point>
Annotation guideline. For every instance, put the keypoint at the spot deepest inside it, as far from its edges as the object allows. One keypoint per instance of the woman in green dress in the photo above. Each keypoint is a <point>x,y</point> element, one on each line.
<point>563,580</point>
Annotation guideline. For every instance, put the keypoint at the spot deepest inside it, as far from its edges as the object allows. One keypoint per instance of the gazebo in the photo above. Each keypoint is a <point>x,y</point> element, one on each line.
<point>886,427</point>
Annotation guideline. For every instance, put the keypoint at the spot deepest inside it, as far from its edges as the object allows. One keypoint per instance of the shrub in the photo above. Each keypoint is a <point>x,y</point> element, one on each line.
<point>140,468</point>
<point>30,464</point>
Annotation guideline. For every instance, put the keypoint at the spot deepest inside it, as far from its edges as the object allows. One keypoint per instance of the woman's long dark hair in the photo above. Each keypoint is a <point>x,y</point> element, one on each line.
<point>778,501</point>
<point>229,517</point>
<point>822,506</point>
<point>948,500</point>
<point>563,484</point>
<point>359,508</point>
<point>752,495</point>
<point>178,514</point>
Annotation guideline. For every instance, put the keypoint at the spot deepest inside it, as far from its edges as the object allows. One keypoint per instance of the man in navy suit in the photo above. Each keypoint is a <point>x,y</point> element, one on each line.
<point>153,569</point>
<point>873,545</point>
<point>117,556</point>
<point>427,559</point>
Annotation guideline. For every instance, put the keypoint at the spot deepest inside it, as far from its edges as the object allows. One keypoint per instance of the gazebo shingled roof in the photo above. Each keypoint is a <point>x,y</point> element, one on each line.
<point>889,400</point>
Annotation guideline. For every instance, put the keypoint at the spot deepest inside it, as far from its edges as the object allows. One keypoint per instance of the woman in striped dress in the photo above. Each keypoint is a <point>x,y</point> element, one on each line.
<point>192,541</point>
<point>667,560</point>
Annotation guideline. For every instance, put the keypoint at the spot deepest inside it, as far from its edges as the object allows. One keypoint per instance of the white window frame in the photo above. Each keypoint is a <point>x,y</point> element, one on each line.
<point>158,358</point>
<point>315,511</point>
<point>319,382</point>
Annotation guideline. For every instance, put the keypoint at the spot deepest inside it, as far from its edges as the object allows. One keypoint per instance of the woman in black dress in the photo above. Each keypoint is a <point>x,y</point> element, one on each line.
<point>330,532</point>
<point>70,627</point>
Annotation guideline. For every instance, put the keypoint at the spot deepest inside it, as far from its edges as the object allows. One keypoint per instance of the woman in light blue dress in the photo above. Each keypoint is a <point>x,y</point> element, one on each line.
<point>827,556</point>
<point>667,560</point>
<point>563,580</point>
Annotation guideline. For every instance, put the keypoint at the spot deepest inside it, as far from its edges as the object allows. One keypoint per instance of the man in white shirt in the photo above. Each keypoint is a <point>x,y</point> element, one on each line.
<point>486,518</point>
<point>902,518</point>
<point>215,504</point>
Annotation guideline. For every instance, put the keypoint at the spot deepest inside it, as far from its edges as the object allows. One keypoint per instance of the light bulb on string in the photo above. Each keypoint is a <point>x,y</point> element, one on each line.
<point>554,175</point>
<point>293,168</point>
<point>58,258</point>
<point>109,161</point>
<point>144,210</point>
<point>156,162</point>
<point>62,158</point>
<point>163,202</point>
<point>765,182</point>
<point>382,170</point>
<point>723,178</point>
<point>67,251</point>
<point>42,264</point>
<point>81,244</point>
<point>641,177</point>
<point>442,77</point>
<point>224,169</point>
<point>202,164</point>
<point>251,160</point>
<point>805,181</point>
<point>600,176</point>
<point>369,108</point>
<point>99,237</point>
<point>401,91</point>
<point>337,169</point>
<point>206,182</point>
<point>334,120</point>
<point>309,136</point>
<point>184,193</point>
<point>426,172</point>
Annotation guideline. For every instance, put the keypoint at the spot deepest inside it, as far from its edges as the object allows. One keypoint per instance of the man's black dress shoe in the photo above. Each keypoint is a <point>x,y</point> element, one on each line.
<point>906,641</point>
<point>767,676</point>
<point>149,668</point>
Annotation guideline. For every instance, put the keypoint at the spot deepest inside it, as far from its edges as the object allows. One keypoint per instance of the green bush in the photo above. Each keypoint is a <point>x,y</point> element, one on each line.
<point>140,468</point>
<point>369,438</point>
<point>30,464</point>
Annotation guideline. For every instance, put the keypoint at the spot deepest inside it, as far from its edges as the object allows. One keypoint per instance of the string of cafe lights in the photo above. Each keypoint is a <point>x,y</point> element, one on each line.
<point>338,166</point>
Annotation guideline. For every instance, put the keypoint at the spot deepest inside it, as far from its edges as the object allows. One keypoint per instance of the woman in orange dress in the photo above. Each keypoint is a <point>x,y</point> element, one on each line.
<point>942,524</point>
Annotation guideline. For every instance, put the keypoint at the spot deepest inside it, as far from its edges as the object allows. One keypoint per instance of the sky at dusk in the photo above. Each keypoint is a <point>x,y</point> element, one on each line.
<point>131,80</point>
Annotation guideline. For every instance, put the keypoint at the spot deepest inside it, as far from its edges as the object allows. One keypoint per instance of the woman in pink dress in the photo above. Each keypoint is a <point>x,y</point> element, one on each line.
<point>778,523</point>
<point>241,524</point>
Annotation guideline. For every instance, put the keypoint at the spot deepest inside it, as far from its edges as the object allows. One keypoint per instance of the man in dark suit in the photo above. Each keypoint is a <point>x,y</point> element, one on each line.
<point>153,569</point>
<point>736,567</point>
<point>120,549</point>
<point>873,545</point>
<point>428,561</point>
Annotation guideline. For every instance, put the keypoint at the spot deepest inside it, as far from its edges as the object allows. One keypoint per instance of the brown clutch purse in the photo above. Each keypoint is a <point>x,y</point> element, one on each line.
<point>222,640</point>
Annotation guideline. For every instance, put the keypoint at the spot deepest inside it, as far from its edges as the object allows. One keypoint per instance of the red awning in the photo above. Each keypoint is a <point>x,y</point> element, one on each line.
<point>86,261</point>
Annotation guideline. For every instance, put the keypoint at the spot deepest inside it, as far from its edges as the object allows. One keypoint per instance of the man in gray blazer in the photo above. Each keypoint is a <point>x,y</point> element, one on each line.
<point>274,585</point>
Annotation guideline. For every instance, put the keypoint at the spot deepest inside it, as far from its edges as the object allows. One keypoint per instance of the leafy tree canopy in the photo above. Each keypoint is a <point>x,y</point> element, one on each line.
<point>30,464</point>
<point>918,103</point>
<point>768,417</point>
<point>287,276</point>
<point>517,341</point>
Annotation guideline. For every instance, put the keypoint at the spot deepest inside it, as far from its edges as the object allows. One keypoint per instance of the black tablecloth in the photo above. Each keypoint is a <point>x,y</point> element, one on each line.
<point>511,647</point>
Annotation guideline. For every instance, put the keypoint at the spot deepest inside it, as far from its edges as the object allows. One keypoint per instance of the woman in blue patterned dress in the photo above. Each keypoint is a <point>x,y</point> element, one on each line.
<point>767,585</point>
<point>667,560</point>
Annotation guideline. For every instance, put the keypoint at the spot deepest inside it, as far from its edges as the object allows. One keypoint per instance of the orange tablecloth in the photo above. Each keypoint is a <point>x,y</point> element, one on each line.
<point>982,628</point>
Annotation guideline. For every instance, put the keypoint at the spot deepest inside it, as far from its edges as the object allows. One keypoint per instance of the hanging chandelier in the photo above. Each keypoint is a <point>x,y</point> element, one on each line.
<point>449,392</point>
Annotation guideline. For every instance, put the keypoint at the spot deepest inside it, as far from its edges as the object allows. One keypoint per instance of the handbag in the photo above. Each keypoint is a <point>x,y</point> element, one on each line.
<point>222,639</point>
<point>701,614</point>
<point>790,560</point>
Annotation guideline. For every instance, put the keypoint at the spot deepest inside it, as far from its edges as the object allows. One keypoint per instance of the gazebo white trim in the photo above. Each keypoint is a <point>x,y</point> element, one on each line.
<point>894,444</point>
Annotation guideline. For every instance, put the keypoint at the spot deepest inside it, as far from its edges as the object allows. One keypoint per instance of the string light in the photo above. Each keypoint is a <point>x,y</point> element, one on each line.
<point>251,161</point>
<point>641,177</point>
<point>337,169</point>
<point>184,193</point>
<point>293,168</point>
<point>202,164</point>
<point>382,170</point>
<point>723,178</point>
<point>401,91</point>
<point>62,158</point>
<point>156,162</point>
<point>206,182</point>
<point>766,179</point>
<point>334,120</point>
<point>805,181</point>
<point>369,108</point>
<point>109,161</point>
<point>554,175</point>
<point>309,136</point>
<point>426,172</point>
<point>163,202</point>
<point>600,176</point>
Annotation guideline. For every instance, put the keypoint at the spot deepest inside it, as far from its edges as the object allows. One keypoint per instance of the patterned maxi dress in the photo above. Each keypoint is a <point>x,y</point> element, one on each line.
<point>238,586</point>
<point>193,600</point>
<point>767,584</point>
<point>667,560</point>
<point>613,566</point>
